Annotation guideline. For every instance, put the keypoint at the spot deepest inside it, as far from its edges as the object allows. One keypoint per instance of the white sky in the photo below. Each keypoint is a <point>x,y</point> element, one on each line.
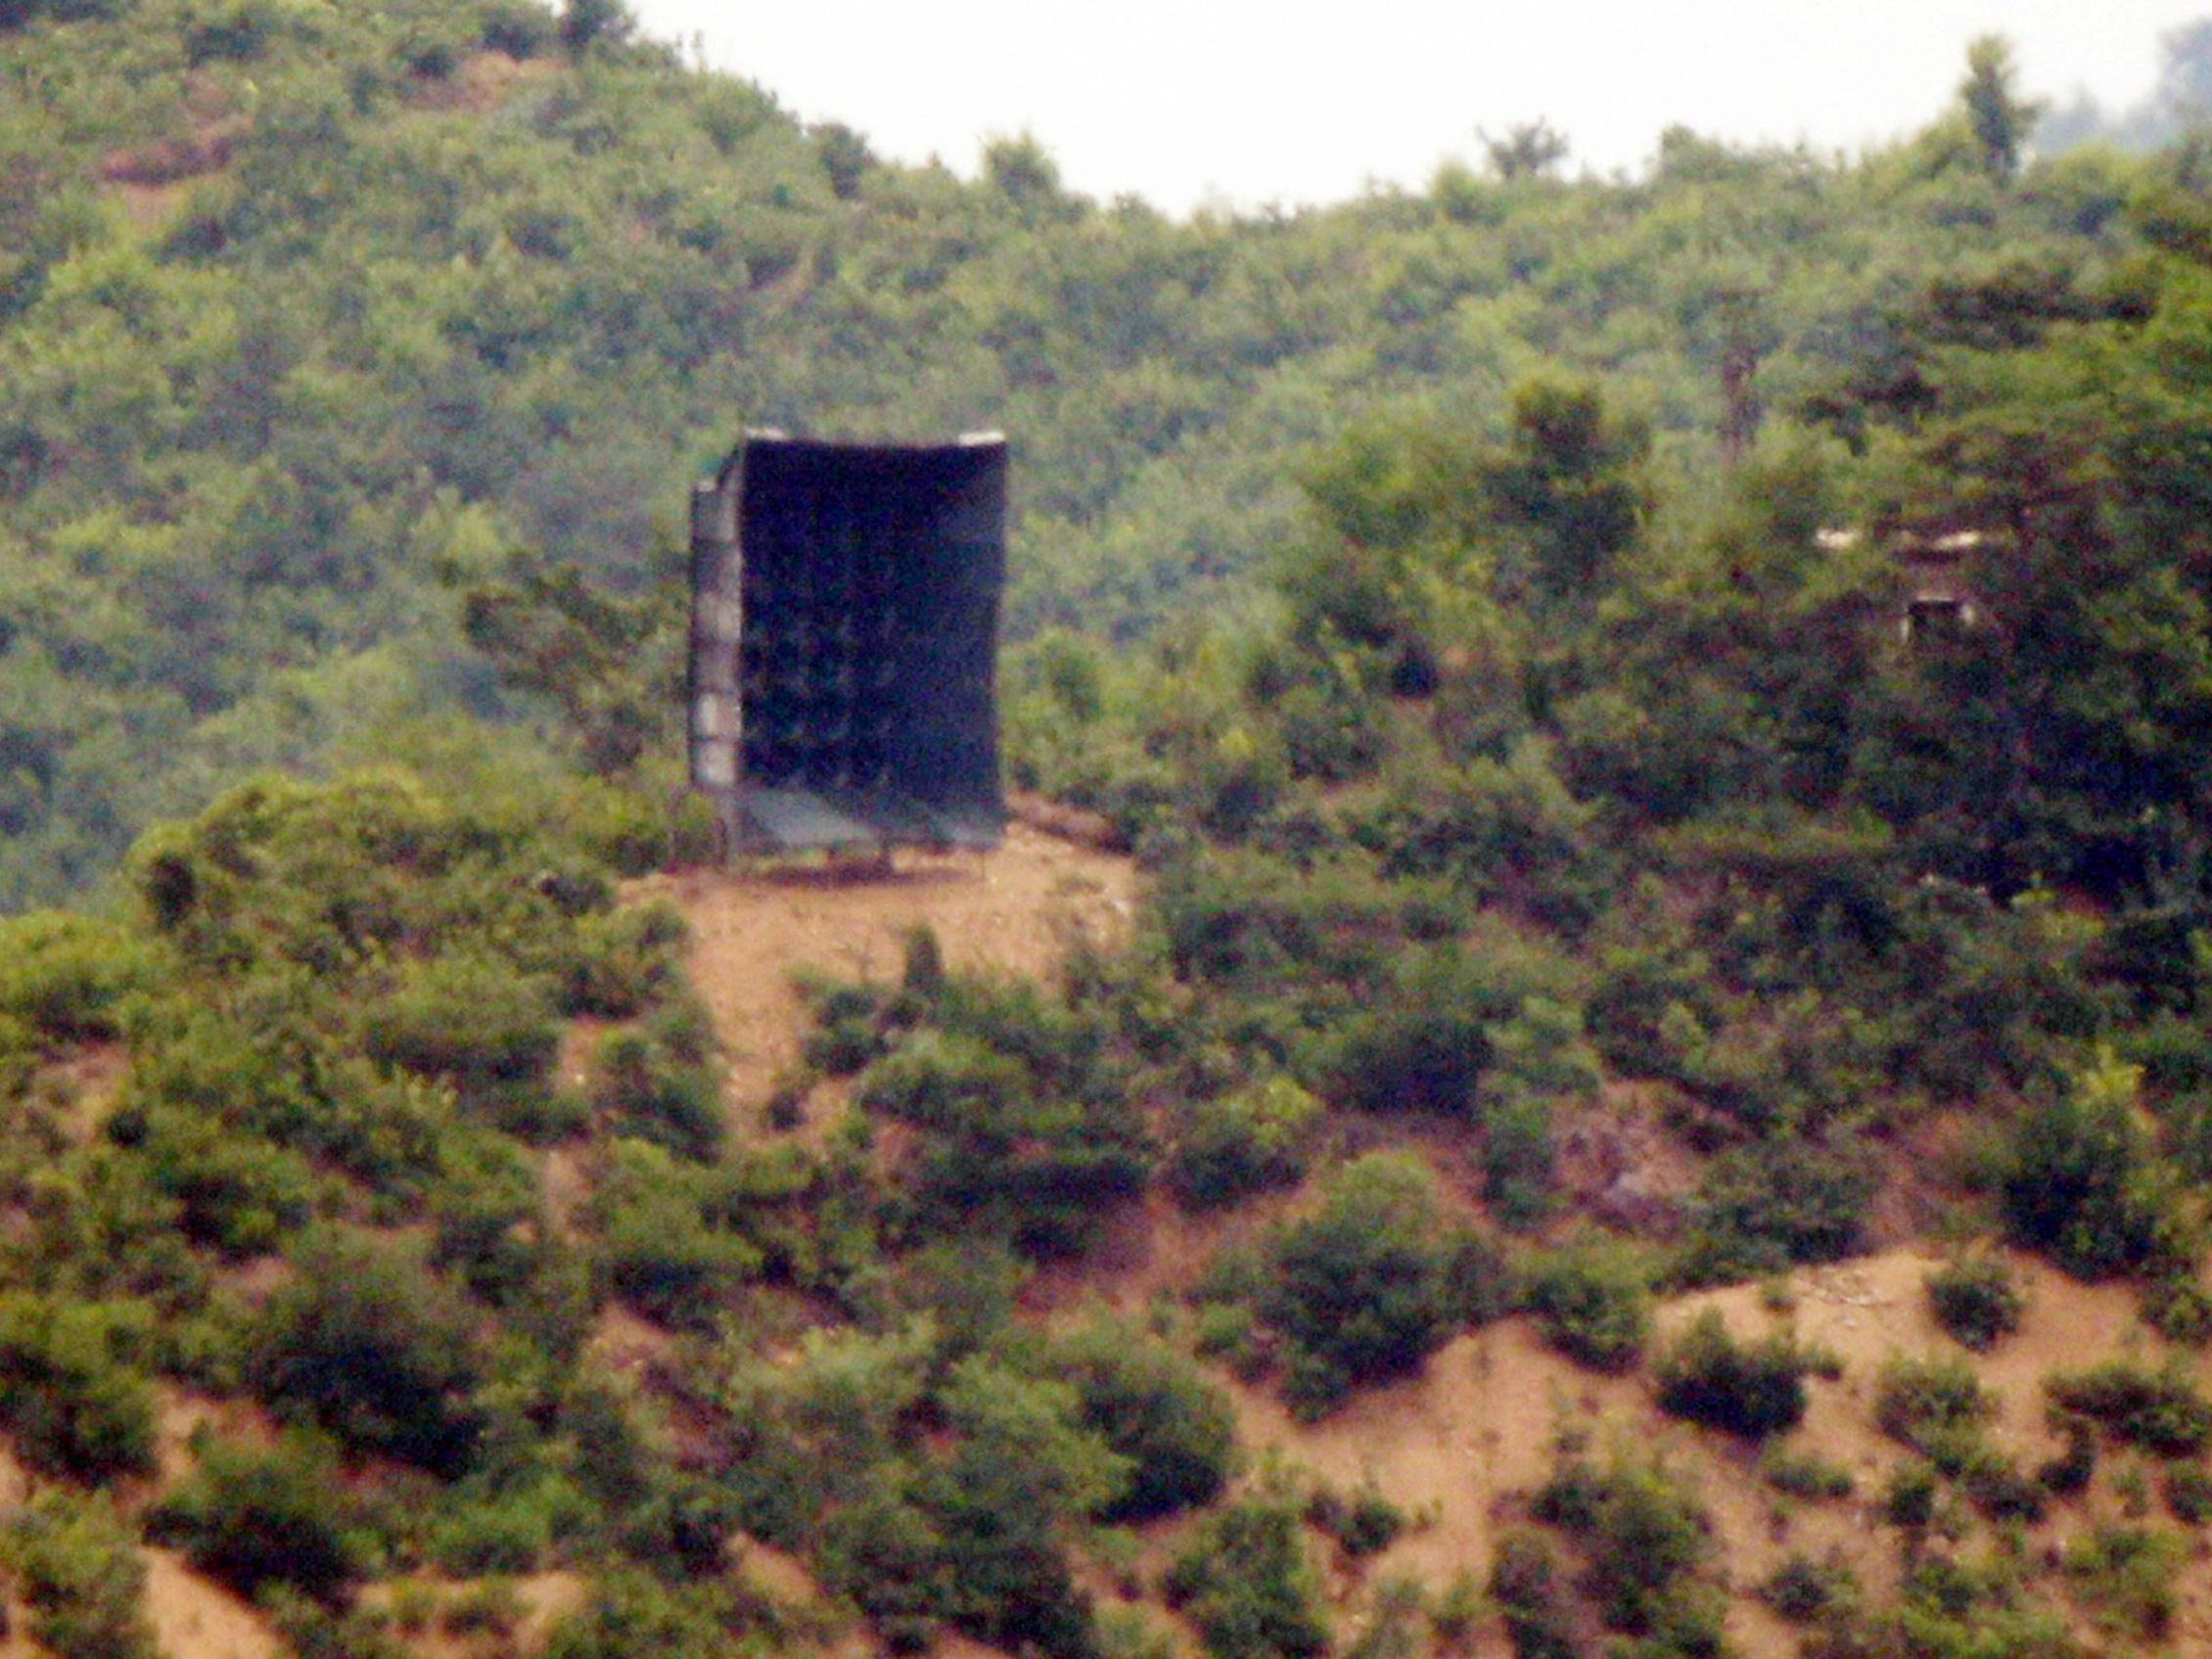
<point>1250,101</point>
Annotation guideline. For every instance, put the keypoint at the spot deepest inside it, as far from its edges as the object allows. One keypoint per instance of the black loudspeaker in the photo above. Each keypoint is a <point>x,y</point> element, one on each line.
<point>844,643</point>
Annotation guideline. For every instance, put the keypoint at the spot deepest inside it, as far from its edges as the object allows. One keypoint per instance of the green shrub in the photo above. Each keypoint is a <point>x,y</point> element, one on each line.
<point>1594,1298</point>
<point>1519,1160</point>
<point>2124,1575</point>
<point>2177,1305</point>
<point>2071,1471</point>
<point>1998,1488</point>
<point>1644,1531</point>
<point>312,1630</point>
<point>1425,1047</point>
<point>660,1248</point>
<point>2162,1412</point>
<point>1935,1406</point>
<point>1749,1389</point>
<point>1908,1500</point>
<point>468,1018</point>
<point>77,1567</point>
<point>1768,1207</point>
<point>235,1190</point>
<point>1803,1474</point>
<point>254,1518</point>
<point>2188,1494</point>
<point>621,960</point>
<point>944,1081</point>
<point>1156,1410</point>
<point>631,1615</point>
<point>1359,1289</point>
<point>1525,1584</point>
<point>517,27</point>
<point>1802,1589</point>
<point>1976,1299</point>
<point>1237,1144</point>
<point>1245,1580</point>
<point>69,975</point>
<point>72,1401</point>
<point>654,1084</point>
<point>2078,1182</point>
<point>366,1341</point>
<point>1366,1523</point>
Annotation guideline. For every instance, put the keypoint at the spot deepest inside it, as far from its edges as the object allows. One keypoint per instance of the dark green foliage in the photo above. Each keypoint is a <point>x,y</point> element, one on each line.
<point>2126,1574</point>
<point>1776,1204</point>
<point>1360,1289</point>
<point>72,1397</point>
<point>1976,1299</point>
<point>662,1246</point>
<point>2072,1469</point>
<point>1026,1135</point>
<point>1935,1406</point>
<point>1908,1500</point>
<point>367,1342</point>
<point>1749,1389</point>
<point>655,1084</point>
<point>1154,1409</point>
<point>2161,1411</point>
<point>1802,1589</point>
<point>1645,1535</point>
<point>1364,1523</point>
<point>68,977</point>
<point>631,1615</point>
<point>1804,1474</point>
<point>76,1566</point>
<point>468,1020</point>
<point>1425,1048</point>
<point>1237,1144</point>
<point>1525,1584</point>
<point>253,1518</point>
<point>2000,1491</point>
<point>2188,1494</point>
<point>1594,1298</point>
<point>2078,1183</point>
<point>1245,1580</point>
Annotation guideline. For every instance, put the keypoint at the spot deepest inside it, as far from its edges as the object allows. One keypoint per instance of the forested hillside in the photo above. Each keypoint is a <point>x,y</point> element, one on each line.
<point>1625,1069</point>
<point>310,315</point>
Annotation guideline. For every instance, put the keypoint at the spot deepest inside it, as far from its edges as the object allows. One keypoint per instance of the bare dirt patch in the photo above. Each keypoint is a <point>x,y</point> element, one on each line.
<point>1461,1445</point>
<point>196,1618</point>
<point>1014,911</point>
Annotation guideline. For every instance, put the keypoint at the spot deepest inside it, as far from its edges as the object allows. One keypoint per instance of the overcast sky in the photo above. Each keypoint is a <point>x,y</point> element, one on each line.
<point>1250,101</point>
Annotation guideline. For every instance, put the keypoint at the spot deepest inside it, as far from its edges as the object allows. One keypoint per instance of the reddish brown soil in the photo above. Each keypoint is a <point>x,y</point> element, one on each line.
<point>1014,911</point>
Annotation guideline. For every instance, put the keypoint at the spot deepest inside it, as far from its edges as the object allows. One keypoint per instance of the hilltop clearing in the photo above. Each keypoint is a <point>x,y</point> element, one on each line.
<point>1013,912</point>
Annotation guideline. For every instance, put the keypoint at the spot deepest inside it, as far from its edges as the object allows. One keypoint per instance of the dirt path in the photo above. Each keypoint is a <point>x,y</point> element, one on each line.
<point>1015,910</point>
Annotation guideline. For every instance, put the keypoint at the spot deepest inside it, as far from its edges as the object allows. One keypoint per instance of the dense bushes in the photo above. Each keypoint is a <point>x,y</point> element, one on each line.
<point>2079,1182</point>
<point>1936,1407</point>
<point>1245,1580</point>
<point>70,1395</point>
<point>1153,1409</point>
<point>1750,1388</point>
<point>1365,1287</point>
<point>1646,1536</point>
<point>1976,1299</point>
<point>2162,1410</point>
<point>79,1573</point>
<point>253,1518</point>
<point>1234,1145</point>
<point>68,977</point>
<point>1594,1298</point>
<point>364,1340</point>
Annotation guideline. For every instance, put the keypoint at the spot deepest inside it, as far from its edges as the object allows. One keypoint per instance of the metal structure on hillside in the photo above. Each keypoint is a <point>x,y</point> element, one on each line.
<point>844,636</point>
